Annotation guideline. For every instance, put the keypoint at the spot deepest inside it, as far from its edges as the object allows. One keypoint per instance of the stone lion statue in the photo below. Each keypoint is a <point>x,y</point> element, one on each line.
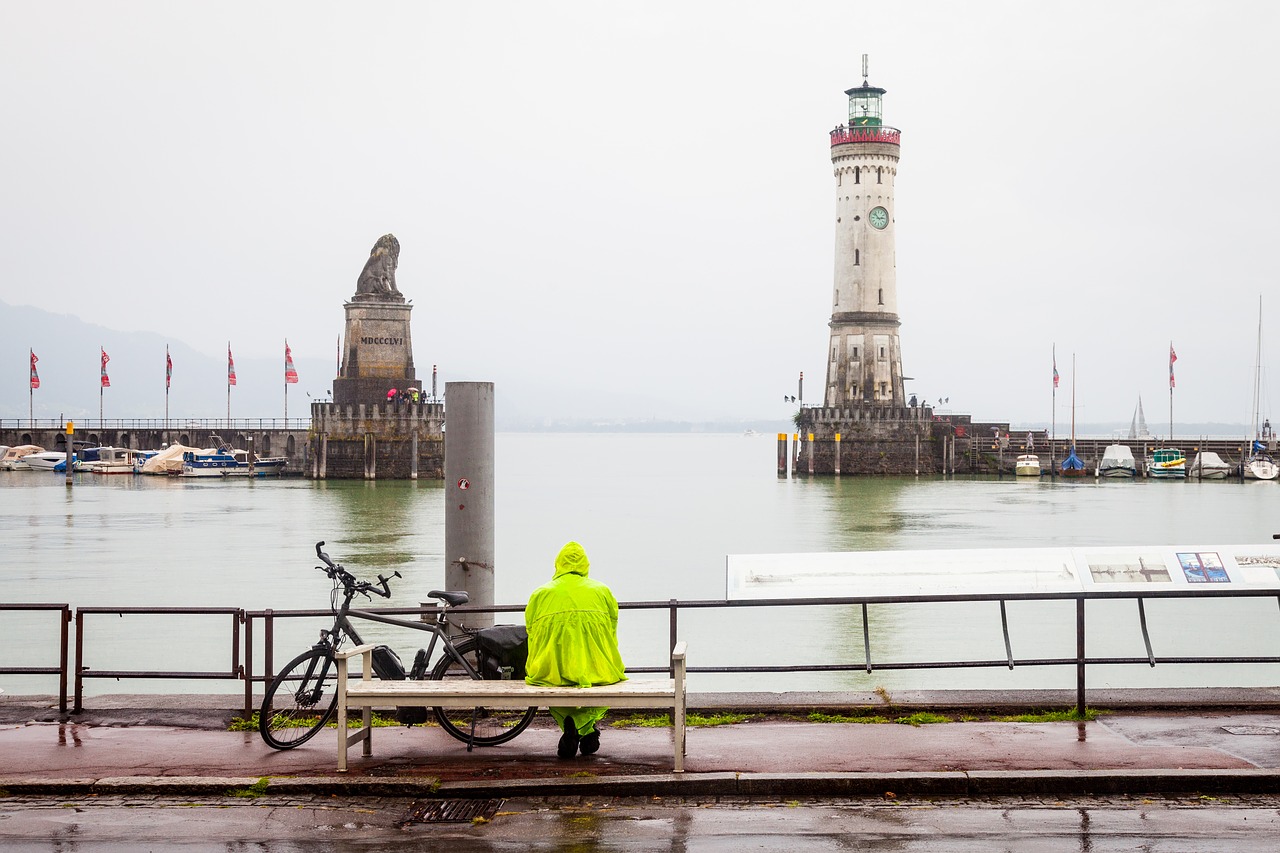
<point>379,274</point>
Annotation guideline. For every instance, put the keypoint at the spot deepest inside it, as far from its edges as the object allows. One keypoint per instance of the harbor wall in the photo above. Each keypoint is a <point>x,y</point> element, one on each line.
<point>377,442</point>
<point>263,441</point>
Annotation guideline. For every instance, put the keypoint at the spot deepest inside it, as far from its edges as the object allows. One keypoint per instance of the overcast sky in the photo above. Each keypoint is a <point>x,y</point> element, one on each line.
<point>638,198</point>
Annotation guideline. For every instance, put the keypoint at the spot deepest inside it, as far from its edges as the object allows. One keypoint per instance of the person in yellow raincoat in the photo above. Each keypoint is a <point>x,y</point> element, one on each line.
<point>573,641</point>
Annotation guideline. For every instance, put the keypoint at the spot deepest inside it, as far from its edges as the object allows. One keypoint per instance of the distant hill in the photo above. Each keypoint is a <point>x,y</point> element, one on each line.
<point>68,350</point>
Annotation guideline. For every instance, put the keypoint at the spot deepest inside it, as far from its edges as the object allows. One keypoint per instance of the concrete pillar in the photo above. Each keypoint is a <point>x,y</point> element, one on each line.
<point>468,489</point>
<point>249,454</point>
<point>413,456</point>
<point>810,454</point>
<point>837,454</point>
<point>782,455</point>
<point>370,457</point>
<point>324,456</point>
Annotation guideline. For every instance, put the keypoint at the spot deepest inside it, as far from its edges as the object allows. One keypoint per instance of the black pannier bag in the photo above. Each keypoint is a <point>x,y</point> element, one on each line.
<point>387,666</point>
<point>504,649</point>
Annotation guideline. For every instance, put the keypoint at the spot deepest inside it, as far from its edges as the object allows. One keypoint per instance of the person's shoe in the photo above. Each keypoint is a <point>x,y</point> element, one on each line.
<point>591,743</point>
<point>569,740</point>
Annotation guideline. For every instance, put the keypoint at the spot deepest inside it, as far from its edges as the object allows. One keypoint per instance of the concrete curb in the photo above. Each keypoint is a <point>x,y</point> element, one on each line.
<point>983,783</point>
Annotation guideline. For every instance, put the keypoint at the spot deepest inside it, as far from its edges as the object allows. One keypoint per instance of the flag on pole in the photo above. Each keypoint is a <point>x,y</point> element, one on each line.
<point>168,369</point>
<point>1173,356</point>
<point>231,367</point>
<point>35,377</point>
<point>1055,370</point>
<point>106,380</point>
<point>290,375</point>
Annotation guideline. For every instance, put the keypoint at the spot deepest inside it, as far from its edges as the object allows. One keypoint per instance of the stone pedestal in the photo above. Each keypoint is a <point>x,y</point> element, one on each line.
<point>377,352</point>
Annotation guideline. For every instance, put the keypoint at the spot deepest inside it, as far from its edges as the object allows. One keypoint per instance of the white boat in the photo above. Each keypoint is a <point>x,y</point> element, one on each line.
<point>226,462</point>
<point>1167,463</point>
<point>1027,465</point>
<point>168,461</point>
<point>1208,466</point>
<point>116,460</point>
<point>11,460</point>
<point>1117,461</point>
<point>46,460</point>
<point>1258,465</point>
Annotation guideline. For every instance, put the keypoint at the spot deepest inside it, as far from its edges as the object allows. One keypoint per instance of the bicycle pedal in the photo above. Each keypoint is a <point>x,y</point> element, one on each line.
<point>419,669</point>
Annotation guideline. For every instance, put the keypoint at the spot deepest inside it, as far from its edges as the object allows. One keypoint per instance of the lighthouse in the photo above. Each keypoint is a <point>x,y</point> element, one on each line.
<point>864,366</point>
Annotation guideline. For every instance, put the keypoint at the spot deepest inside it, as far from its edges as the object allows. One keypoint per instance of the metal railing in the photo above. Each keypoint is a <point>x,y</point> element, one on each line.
<point>64,621</point>
<point>245,650</point>
<point>82,672</point>
<point>86,423</point>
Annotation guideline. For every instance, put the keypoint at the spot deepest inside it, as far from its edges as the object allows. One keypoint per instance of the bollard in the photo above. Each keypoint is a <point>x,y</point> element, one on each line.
<point>837,454</point>
<point>782,455</point>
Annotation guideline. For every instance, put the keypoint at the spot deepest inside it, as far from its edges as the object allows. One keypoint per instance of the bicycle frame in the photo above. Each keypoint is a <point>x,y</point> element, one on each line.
<point>332,638</point>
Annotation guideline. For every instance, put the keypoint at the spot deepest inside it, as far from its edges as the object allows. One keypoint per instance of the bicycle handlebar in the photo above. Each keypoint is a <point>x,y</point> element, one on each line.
<point>348,580</point>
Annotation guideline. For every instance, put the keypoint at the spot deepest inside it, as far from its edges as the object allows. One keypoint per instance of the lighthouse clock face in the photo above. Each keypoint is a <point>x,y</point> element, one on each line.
<point>879,218</point>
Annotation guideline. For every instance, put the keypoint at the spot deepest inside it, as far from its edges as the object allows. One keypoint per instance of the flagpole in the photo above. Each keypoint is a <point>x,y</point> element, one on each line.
<point>1053,416</point>
<point>286,383</point>
<point>166,391</point>
<point>228,384</point>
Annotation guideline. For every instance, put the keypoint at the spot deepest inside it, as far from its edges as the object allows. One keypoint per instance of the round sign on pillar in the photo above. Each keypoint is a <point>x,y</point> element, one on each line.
<point>464,484</point>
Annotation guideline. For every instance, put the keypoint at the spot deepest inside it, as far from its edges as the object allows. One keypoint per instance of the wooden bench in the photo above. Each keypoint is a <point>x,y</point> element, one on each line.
<point>367,692</point>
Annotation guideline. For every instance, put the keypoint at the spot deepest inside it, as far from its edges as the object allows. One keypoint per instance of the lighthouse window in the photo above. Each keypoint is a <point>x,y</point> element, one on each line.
<point>857,175</point>
<point>879,172</point>
<point>881,302</point>
<point>855,352</point>
<point>856,257</point>
<point>882,352</point>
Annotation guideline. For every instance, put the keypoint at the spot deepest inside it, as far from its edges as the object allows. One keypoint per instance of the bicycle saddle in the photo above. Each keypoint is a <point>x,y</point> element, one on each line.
<point>453,599</point>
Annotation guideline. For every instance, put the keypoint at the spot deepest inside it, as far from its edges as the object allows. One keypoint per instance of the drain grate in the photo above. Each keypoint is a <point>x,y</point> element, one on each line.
<point>1251,730</point>
<point>450,811</point>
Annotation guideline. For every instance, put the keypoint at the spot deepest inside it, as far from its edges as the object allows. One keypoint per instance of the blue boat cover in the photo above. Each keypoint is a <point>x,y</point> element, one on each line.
<point>1072,462</point>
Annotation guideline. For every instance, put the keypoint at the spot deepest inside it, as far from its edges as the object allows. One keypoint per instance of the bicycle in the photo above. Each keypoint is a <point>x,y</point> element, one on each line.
<point>302,698</point>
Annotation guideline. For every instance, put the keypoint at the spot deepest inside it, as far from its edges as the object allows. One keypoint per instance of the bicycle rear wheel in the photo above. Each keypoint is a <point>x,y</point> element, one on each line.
<point>300,701</point>
<point>492,725</point>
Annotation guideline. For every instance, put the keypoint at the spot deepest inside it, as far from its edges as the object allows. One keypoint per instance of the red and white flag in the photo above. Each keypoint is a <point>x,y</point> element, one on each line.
<point>35,377</point>
<point>106,380</point>
<point>1173,356</point>
<point>168,369</point>
<point>231,367</point>
<point>290,375</point>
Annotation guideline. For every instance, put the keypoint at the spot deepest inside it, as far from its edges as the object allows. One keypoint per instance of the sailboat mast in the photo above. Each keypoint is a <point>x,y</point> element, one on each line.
<point>1257,380</point>
<point>1073,402</point>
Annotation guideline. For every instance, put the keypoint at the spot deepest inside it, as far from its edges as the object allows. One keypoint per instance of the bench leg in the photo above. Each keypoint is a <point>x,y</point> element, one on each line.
<point>342,736</point>
<point>677,733</point>
<point>367,720</point>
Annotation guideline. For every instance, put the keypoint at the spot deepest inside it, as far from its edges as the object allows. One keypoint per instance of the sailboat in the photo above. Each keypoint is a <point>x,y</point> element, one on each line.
<point>1138,429</point>
<point>1258,465</point>
<point>1072,466</point>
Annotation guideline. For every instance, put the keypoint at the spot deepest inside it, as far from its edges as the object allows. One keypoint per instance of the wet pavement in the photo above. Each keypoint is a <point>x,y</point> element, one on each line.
<point>1129,751</point>
<point>1242,824</point>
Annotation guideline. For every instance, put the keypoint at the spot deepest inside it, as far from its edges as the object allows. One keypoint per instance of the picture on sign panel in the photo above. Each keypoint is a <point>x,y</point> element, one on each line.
<point>1203,567</point>
<point>1128,568</point>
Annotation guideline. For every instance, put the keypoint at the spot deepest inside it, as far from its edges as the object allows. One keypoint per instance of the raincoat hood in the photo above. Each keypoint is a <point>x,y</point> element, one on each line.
<point>572,560</point>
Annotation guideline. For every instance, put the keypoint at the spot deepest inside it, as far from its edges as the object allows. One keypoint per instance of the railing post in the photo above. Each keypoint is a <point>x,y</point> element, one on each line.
<point>1080,704</point>
<point>268,644</point>
<point>672,638</point>
<point>65,618</point>
<point>79,682</point>
<point>248,664</point>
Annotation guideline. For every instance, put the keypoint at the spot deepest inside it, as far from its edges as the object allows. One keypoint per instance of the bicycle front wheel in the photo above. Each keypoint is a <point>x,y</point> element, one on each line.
<point>491,726</point>
<point>300,701</point>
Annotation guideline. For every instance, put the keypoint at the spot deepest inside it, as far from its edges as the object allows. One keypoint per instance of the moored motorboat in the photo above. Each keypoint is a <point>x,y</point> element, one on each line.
<point>226,462</point>
<point>11,459</point>
<point>1167,463</point>
<point>117,460</point>
<point>1208,465</point>
<point>1027,465</point>
<point>1117,461</point>
<point>47,460</point>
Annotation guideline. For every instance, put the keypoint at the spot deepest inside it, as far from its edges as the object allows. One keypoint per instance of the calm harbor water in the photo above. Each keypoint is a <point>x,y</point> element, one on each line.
<point>657,515</point>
